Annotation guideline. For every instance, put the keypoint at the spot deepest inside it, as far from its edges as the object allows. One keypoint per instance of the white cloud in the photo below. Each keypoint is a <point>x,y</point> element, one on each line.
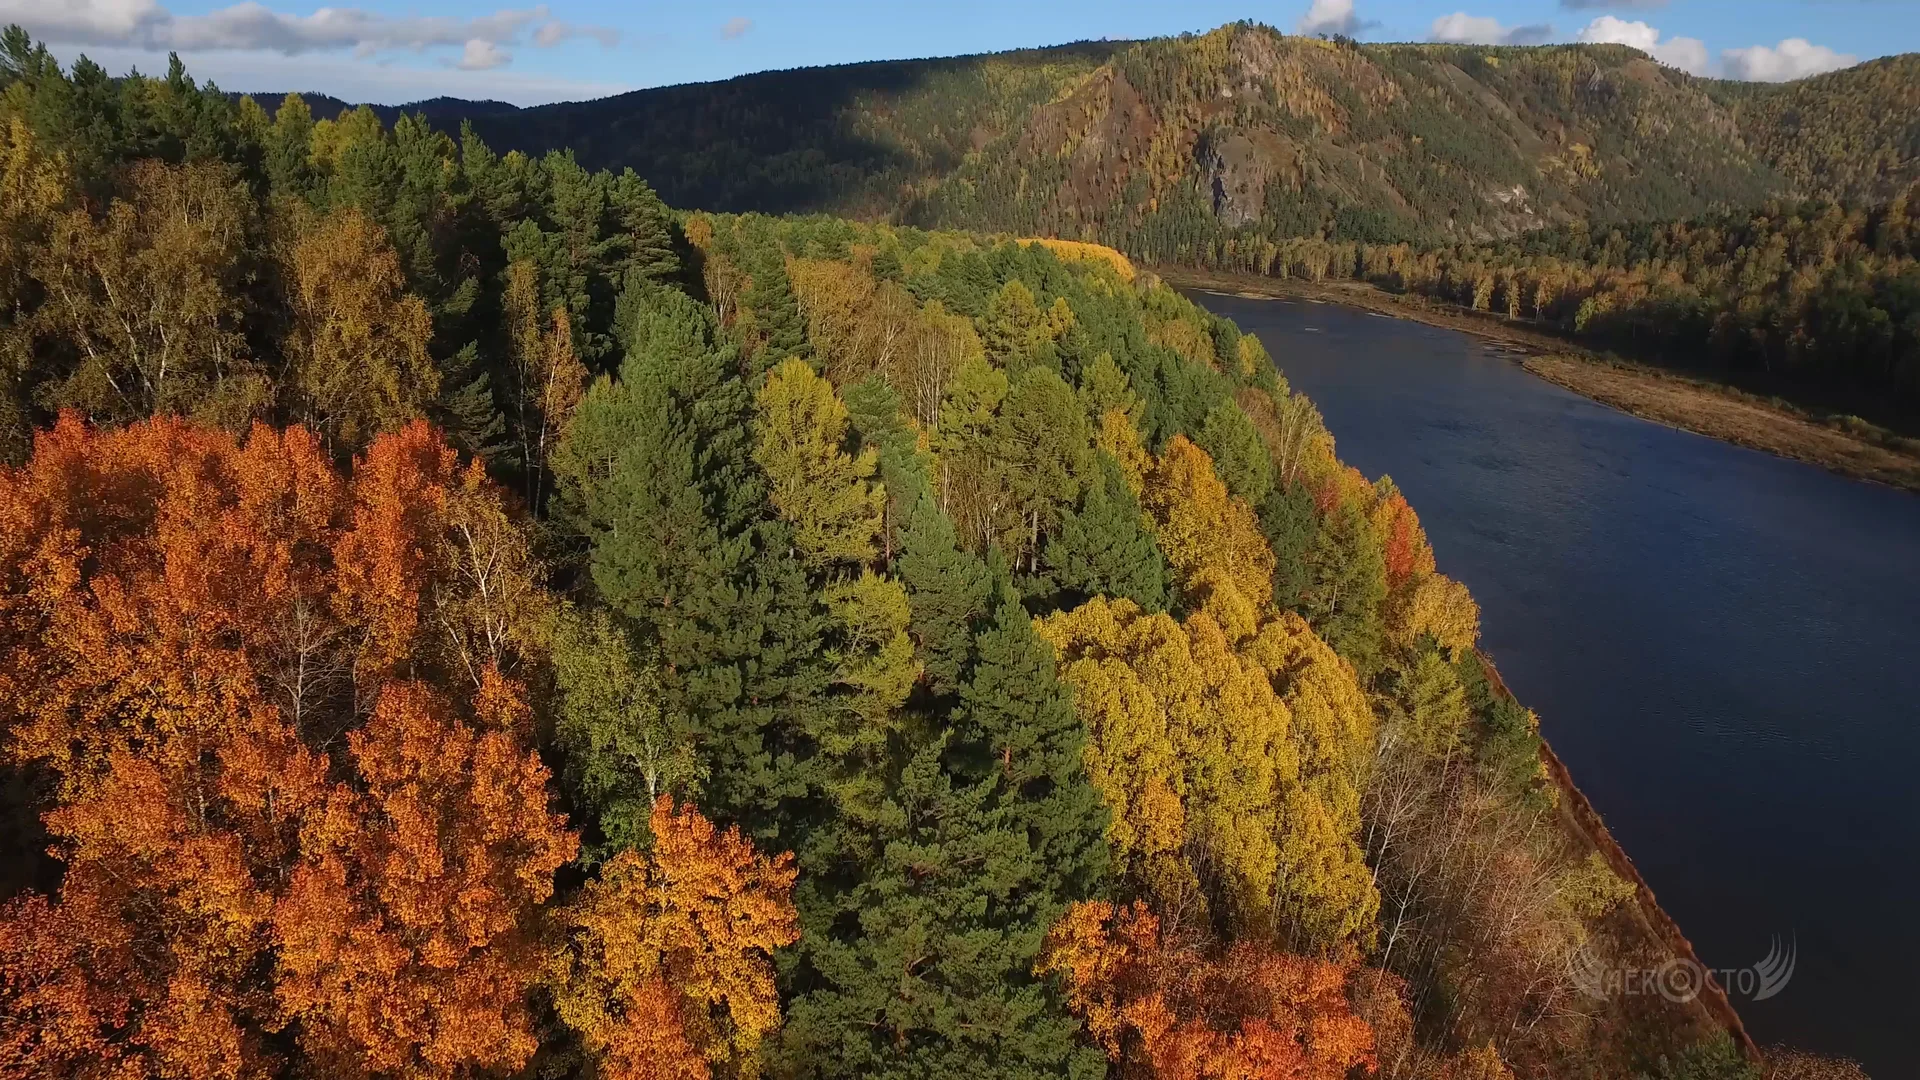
<point>1464,29</point>
<point>1330,17</point>
<point>348,79</point>
<point>553,33</point>
<point>1687,54</point>
<point>1794,58</point>
<point>86,22</point>
<point>253,26</point>
<point>735,27</point>
<point>483,56</point>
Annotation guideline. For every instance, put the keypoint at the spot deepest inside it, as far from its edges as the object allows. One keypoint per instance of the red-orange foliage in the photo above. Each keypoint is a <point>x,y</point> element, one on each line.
<point>187,627</point>
<point>406,938</point>
<point>67,988</point>
<point>1163,1007</point>
<point>386,559</point>
<point>1406,550</point>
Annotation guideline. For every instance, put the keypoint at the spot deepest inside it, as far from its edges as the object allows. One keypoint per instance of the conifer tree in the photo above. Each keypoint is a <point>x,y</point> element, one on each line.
<point>1238,455</point>
<point>1103,547</point>
<point>922,966</point>
<point>1016,723</point>
<point>1043,450</point>
<point>780,330</point>
<point>1104,386</point>
<point>1290,523</point>
<point>874,413</point>
<point>656,471</point>
<point>949,590</point>
<point>647,227</point>
<point>1013,327</point>
<point>973,475</point>
<point>1347,584</point>
<point>1435,704</point>
<point>289,148</point>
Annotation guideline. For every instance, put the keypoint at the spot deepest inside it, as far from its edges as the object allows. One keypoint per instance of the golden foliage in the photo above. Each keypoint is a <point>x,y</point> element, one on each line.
<point>1476,1063</point>
<point>149,297</point>
<point>1186,337</point>
<point>667,969</point>
<point>856,325</point>
<point>356,351</point>
<point>1434,604</point>
<point>1097,253</point>
<point>1326,892</point>
<point>1231,751</point>
<point>1200,527</point>
<point>1188,743</point>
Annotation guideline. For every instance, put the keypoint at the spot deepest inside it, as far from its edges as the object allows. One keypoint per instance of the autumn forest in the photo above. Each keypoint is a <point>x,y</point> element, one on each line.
<point>460,617</point>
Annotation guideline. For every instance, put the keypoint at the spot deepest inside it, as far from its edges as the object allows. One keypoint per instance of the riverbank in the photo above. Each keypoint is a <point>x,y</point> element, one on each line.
<point>1642,930</point>
<point>1845,445</point>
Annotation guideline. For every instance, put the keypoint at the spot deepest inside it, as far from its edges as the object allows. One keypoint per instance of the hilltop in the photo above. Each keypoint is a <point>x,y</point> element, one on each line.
<point>1172,146</point>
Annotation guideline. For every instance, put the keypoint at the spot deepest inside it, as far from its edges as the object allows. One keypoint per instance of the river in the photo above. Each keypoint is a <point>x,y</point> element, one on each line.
<point>1724,647</point>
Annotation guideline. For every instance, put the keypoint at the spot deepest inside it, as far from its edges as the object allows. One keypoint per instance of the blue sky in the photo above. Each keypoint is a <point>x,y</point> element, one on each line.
<point>392,52</point>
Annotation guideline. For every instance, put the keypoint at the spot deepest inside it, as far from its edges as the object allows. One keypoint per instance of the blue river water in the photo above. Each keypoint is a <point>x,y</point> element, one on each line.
<point>1724,647</point>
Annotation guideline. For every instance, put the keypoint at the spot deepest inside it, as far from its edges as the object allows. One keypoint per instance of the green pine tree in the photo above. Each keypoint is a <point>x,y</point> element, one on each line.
<point>874,412</point>
<point>1288,519</point>
<point>1103,548</point>
<point>1239,455</point>
<point>948,589</point>
<point>1346,586</point>
<point>1045,451</point>
<point>924,917</point>
<point>656,472</point>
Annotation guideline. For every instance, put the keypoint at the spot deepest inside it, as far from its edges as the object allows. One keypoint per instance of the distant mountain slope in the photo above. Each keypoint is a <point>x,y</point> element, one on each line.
<point>857,139</point>
<point>1247,135</point>
<point>1852,134</point>
<point>1204,144</point>
<point>443,112</point>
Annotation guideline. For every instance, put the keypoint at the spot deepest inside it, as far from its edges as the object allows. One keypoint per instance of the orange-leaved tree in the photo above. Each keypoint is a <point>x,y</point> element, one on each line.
<point>1164,1006</point>
<point>666,971</point>
<point>286,760</point>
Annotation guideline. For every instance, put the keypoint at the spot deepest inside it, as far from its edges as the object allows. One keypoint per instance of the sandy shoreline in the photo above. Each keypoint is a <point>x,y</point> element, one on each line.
<point>1651,393</point>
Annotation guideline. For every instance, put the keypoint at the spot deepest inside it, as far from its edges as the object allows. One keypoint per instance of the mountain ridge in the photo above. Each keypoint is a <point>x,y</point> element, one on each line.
<point>1239,136</point>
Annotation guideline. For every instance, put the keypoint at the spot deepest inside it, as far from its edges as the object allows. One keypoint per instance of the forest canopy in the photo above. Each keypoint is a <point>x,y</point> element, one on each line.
<point>459,617</point>
<point>1520,180</point>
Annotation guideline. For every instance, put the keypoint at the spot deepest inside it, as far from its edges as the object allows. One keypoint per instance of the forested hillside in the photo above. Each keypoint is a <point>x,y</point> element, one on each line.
<point>1585,186</point>
<point>1817,299</point>
<point>1850,135</point>
<point>1174,149</point>
<point>459,618</point>
<point>859,140</point>
<point>1183,146</point>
